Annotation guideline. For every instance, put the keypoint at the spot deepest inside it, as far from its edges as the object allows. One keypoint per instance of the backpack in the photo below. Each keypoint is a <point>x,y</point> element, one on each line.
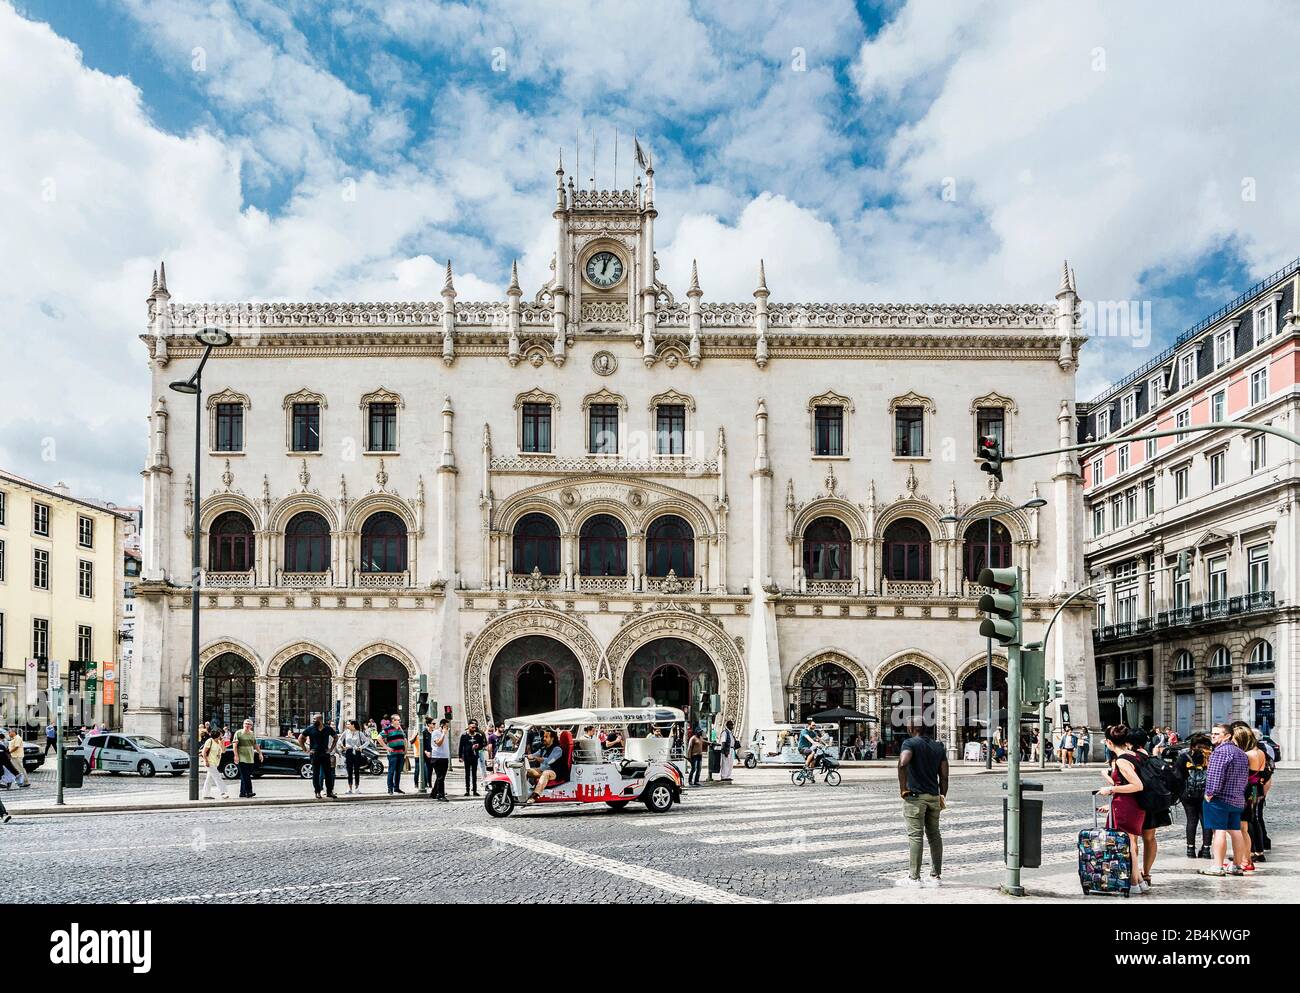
<point>1159,783</point>
<point>1194,787</point>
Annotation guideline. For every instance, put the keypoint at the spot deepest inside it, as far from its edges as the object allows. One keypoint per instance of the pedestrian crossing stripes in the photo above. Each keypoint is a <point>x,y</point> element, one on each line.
<point>846,836</point>
<point>993,847</point>
<point>987,823</point>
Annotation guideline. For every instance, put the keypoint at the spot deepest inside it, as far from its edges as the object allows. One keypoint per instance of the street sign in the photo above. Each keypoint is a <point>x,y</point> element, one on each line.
<point>110,684</point>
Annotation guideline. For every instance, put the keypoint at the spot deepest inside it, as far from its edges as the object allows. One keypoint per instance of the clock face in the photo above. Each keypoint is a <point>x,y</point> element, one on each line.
<point>604,269</point>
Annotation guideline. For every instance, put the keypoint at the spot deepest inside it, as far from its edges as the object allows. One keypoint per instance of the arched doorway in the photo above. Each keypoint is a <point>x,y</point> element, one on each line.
<point>907,696</point>
<point>674,667</point>
<point>229,690</point>
<point>304,690</point>
<point>532,675</point>
<point>974,704</point>
<point>826,687</point>
<point>383,689</point>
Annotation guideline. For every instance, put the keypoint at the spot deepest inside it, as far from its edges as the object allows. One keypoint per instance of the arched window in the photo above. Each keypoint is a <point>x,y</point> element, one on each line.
<point>1183,661</point>
<point>826,687</point>
<point>306,543</point>
<point>304,691</point>
<point>383,543</point>
<point>602,547</point>
<point>229,690</point>
<point>979,551</point>
<point>1261,657</point>
<point>827,550</point>
<point>1220,658</point>
<point>230,544</point>
<point>537,545</point>
<point>670,544</point>
<point>907,551</point>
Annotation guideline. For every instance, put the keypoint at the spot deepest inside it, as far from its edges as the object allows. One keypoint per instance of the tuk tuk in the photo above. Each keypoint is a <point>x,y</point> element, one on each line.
<point>629,756</point>
<point>778,744</point>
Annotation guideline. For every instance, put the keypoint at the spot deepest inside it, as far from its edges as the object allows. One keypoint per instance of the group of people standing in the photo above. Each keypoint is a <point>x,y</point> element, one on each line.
<point>1221,779</point>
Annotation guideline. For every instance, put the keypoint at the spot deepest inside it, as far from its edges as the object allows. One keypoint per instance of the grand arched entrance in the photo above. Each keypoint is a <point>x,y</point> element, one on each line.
<point>669,672</point>
<point>907,696</point>
<point>229,690</point>
<point>825,687</point>
<point>304,690</point>
<point>532,675</point>
<point>975,704</point>
<point>383,689</point>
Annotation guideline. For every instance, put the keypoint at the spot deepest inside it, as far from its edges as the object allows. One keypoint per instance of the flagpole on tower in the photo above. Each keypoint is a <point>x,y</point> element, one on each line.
<point>616,158</point>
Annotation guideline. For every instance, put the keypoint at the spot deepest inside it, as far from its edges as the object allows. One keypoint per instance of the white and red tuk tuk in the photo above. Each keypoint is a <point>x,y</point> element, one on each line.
<point>628,757</point>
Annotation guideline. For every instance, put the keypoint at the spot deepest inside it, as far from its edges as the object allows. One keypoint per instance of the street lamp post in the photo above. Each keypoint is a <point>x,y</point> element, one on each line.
<point>211,337</point>
<point>988,658</point>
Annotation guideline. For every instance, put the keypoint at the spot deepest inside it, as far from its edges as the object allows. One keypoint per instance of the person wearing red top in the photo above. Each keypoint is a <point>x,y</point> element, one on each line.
<point>1125,813</point>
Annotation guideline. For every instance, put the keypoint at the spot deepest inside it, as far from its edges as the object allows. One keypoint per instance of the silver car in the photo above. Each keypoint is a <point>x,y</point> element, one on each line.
<point>118,753</point>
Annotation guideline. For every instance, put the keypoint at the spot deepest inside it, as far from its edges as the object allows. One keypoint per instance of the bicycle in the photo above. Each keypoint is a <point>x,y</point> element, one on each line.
<point>823,763</point>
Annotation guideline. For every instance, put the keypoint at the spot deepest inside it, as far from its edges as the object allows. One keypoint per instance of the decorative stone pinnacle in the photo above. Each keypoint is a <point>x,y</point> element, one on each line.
<point>695,281</point>
<point>447,286</point>
<point>162,278</point>
<point>514,278</point>
<point>762,280</point>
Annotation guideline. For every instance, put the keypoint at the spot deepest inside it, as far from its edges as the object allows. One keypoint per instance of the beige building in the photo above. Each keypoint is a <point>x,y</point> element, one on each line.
<point>1219,643</point>
<point>60,597</point>
<point>600,491</point>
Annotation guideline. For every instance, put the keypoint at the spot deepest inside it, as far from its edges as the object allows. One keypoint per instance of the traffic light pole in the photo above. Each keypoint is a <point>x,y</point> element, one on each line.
<point>1012,886</point>
<point>1187,429</point>
<point>1042,734</point>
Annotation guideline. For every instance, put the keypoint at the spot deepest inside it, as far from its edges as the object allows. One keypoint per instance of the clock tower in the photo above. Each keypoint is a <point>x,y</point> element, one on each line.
<point>604,279</point>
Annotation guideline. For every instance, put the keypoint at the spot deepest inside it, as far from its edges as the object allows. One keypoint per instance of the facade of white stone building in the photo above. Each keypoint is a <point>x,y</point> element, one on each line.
<point>1219,642</point>
<point>601,490</point>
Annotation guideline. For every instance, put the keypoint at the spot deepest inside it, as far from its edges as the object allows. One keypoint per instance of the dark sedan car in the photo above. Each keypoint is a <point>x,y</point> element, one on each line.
<point>33,756</point>
<point>280,757</point>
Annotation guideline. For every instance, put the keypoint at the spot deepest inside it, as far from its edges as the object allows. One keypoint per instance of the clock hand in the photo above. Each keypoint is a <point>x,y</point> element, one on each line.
<point>604,267</point>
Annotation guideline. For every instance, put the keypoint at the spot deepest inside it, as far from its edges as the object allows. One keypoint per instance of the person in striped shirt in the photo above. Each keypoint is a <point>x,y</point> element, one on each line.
<point>395,742</point>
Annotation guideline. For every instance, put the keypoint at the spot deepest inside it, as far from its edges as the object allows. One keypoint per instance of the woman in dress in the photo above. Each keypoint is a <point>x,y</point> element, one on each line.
<point>1124,814</point>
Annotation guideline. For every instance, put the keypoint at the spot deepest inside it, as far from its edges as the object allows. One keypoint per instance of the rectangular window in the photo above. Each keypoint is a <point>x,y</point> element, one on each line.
<point>1217,570</point>
<point>86,531</point>
<point>1258,452</point>
<point>909,431</point>
<point>1127,669</point>
<point>1218,466</point>
<point>1155,391</point>
<point>828,424</point>
<point>2,641</point>
<point>1151,448</point>
<point>1218,406</point>
<point>40,520</point>
<point>990,422</point>
<point>1149,496</point>
<point>230,427</point>
<point>1257,559</point>
<point>537,428</point>
<point>1181,420</point>
<point>1123,459</point>
<point>4,510</point>
<point>1099,519</point>
<point>40,638</point>
<point>85,578</point>
<point>1116,512</point>
<point>1187,370</point>
<point>1180,485</point>
<point>1222,349</point>
<point>1182,592</point>
<point>85,643</point>
<point>306,427</point>
<point>1126,408</point>
<point>1259,386</point>
<point>2,561</point>
<point>40,569</point>
<point>1264,323</point>
<point>1098,471</point>
<point>670,430</point>
<point>1103,423</point>
<point>381,435</point>
<point>1131,505</point>
<point>602,436</point>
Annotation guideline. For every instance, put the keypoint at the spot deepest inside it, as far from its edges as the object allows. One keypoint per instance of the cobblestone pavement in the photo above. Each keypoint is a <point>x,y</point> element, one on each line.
<point>760,839</point>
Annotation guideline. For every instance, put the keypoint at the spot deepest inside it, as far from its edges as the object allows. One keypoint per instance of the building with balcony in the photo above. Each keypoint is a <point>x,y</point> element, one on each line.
<point>1218,641</point>
<point>605,491</point>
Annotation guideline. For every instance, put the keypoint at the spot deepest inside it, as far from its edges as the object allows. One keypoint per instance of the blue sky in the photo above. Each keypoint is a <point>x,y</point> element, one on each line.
<point>945,151</point>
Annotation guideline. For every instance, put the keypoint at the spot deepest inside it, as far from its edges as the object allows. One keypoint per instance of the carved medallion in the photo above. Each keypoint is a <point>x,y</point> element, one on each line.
<point>603,363</point>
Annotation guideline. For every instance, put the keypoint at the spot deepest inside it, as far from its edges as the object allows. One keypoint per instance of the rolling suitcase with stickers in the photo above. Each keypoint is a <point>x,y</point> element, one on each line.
<point>1104,863</point>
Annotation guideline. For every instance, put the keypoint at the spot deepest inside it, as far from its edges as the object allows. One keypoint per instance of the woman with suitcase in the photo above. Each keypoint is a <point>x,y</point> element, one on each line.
<point>1125,813</point>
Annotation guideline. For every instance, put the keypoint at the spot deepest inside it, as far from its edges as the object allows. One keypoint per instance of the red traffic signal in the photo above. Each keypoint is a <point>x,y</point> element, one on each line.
<point>991,453</point>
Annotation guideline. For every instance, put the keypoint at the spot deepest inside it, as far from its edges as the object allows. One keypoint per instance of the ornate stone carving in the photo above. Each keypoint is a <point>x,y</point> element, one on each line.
<point>604,363</point>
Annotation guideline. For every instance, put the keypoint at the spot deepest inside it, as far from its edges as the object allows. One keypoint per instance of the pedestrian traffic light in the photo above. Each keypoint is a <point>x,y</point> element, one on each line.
<point>422,705</point>
<point>1034,686</point>
<point>990,452</point>
<point>1002,606</point>
<point>446,711</point>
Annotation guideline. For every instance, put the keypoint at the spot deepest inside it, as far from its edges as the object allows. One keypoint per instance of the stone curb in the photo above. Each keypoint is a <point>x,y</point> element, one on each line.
<point>232,804</point>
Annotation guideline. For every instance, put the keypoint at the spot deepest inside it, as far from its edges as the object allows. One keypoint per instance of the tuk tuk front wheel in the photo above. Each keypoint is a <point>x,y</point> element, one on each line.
<point>751,761</point>
<point>499,801</point>
<point>659,797</point>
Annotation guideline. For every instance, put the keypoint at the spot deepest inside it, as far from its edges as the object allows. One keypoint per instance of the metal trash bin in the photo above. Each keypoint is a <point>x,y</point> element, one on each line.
<point>1031,826</point>
<point>74,766</point>
<point>715,759</point>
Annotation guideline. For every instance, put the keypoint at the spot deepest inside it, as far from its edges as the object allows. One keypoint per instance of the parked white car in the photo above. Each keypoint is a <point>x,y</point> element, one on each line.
<point>138,753</point>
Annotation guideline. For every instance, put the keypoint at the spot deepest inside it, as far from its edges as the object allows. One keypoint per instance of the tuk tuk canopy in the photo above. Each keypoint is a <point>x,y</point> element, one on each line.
<point>581,716</point>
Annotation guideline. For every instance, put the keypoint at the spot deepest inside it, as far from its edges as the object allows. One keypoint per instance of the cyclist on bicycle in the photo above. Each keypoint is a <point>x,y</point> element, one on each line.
<point>808,742</point>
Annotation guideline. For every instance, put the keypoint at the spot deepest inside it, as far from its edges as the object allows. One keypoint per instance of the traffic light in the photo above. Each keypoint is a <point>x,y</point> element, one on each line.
<point>422,705</point>
<point>991,454</point>
<point>446,711</point>
<point>1055,689</point>
<point>1002,606</point>
<point>1034,685</point>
